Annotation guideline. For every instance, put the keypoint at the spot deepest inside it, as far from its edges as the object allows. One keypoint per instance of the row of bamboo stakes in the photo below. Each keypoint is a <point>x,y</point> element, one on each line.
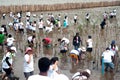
<point>55,7</point>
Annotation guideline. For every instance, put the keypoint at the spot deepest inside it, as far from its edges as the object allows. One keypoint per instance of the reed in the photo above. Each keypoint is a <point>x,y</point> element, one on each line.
<point>55,7</point>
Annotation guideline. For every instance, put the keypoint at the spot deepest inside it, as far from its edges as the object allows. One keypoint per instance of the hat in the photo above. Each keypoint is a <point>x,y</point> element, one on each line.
<point>113,42</point>
<point>88,71</point>
<point>83,49</point>
<point>28,49</point>
<point>13,48</point>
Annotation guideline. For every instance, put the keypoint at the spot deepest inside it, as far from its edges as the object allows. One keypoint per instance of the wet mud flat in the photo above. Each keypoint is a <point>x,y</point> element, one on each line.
<point>101,39</point>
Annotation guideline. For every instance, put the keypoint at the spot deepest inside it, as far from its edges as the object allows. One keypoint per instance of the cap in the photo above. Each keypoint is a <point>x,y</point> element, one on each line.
<point>83,49</point>
<point>88,71</point>
<point>28,49</point>
<point>113,42</point>
<point>13,48</point>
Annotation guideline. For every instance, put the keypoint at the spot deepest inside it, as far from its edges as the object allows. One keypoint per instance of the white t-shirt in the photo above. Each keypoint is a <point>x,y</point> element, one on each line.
<point>30,38</point>
<point>28,13</point>
<point>89,42</point>
<point>28,67</point>
<point>52,72</point>
<point>4,64</point>
<point>21,25</point>
<point>10,41</point>
<point>107,56</point>
<point>75,17</point>
<point>39,77</point>
<point>40,24</point>
<point>74,52</point>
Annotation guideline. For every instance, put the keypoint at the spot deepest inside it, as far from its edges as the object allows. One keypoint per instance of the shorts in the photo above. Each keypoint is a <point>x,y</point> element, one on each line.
<point>63,51</point>
<point>89,49</point>
<point>7,71</point>
<point>27,74</point>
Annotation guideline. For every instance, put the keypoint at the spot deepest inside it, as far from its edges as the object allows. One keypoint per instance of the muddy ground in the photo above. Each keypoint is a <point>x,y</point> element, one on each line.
<point>101,39</point>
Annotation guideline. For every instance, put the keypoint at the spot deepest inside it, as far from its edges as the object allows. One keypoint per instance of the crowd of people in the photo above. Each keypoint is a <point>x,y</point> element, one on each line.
<point>48,68</point>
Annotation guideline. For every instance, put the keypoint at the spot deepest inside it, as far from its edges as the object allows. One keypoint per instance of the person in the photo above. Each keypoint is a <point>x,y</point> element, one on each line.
<point>108,58</point>
<point>113,47</point>
<point>105,15</point>
<point>2,38</point>
<point>64,42</point>
<point>7,63</point>
<point>31,40</point>
<point>47,42</point>
<point>65,22</point>
<point>102,24</point>
<point>53,70</point>
<point>10,40</point>
<point>82,75</point>
<point>76,41</point>
<point>4,29</point>
<point>74,55</point>
<point>87,16</point>
<point>78,55</point>
<point>89,44</point>
<point>28,63</point>
<point>75,19</point>
<point>43,65</point>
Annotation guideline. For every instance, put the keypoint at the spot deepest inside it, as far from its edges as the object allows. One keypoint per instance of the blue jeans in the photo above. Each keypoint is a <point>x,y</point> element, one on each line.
<point>109,65</point>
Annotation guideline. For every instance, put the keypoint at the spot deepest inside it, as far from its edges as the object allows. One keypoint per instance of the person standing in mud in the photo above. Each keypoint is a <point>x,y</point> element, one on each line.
<point>108,59</point>
<point>31,40</point>
<point>77,41</point>
<point>89,45</point>
<point>63,45</point>
<point>102,24</point>
<point>113,47</point>
<point>2,38</point>
<point>75,19</point>
<point>28,63</point>
<point>7,63</point>
<point>87,17</point>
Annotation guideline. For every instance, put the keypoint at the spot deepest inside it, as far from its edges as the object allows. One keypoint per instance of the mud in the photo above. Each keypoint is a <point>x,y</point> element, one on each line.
<point>101,39</point>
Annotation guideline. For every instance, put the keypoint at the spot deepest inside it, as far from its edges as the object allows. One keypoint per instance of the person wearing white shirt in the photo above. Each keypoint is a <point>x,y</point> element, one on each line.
<point>28,63</point>
<point>108,58</point>
<point>7,62</point>
<point>43,65</point>
<point>53,70</point>
<point>10,40</point>
<point>89,44</point>
<point>75,19</point>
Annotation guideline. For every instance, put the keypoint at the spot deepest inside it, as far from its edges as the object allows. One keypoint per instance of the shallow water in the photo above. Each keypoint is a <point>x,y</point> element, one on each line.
<point>101,40</point>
